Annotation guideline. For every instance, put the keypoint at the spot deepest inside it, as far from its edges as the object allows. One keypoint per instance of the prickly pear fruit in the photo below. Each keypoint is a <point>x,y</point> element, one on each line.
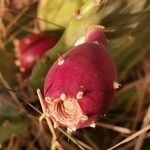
<point>94,34</point>
<point>30,48</point>
<point>75,29</point>
<point>79,87</point>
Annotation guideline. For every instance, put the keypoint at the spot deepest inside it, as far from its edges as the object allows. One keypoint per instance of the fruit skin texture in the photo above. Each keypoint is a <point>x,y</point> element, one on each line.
<point>31,47</point>
<point>80,89</point>
<point>95,33</point>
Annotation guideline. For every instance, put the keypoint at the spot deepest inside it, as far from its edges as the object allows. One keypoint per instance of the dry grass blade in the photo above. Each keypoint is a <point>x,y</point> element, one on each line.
<point>11,143</point>
<point>140,139</point>
<point>145,79</point>
<point>113,127</point>
<point>133,136</point>
<point>21,28</point>
<point>4,82</point>
<point>14,21</point>
<point>71,138</point>
<point>90,141</point>
<point>2,27</point>
<point>84,145</point>
<point>34,17</point>
<point>141,91</point>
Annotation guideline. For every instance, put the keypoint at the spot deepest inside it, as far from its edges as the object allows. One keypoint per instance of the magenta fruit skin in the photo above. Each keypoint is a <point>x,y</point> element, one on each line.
<point>88,68</point>
<point>95,33</point>
<point>31,48</point>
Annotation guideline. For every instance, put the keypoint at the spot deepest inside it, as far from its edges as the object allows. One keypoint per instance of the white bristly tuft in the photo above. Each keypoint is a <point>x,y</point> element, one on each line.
<point>116,85</point>
<point>79,95</point>
<point>93,125</point>
<point>63,96</point>
<point>60,61</point>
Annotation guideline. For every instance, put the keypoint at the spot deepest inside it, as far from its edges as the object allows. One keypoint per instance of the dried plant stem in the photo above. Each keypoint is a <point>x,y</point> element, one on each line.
<point>140,139</point>
<point>133,136</point>
<point>113,127</point>
<point>20,29</point>
<point>34,17</point>
<point>90,141</point>
<point>5,83</point>
<point>84,145</point>
<point>14,21</point>
<point>129,145</point>
<point>54,143</point>
<point>11,143</point>
<point>71,138</point>
<point>2,32</point>
<point>145,79</point>
<point>37,134</point>
<point>140,102</point>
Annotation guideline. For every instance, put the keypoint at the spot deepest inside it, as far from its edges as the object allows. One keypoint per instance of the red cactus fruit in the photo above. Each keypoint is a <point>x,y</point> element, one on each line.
<point>94,34</point>
<point>30,48</point>
<point>79,86</point>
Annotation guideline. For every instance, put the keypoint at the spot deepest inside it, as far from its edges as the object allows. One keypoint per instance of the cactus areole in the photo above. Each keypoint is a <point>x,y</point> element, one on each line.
<point>30,48</point>
<point>79,86</point>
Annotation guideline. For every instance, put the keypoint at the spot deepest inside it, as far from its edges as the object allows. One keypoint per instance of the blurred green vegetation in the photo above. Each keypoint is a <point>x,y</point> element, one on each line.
<point>11,123</point>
